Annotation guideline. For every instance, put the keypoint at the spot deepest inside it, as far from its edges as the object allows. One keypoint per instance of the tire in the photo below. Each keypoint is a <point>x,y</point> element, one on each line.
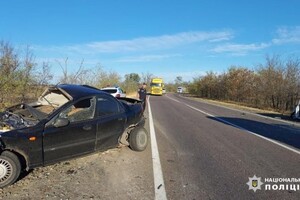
<point>10,168</point>
<point>293,115</point>
<point>138,139</point>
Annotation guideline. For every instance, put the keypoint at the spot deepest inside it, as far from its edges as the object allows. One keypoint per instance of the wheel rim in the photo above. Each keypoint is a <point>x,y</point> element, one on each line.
<point>142,138</point>
<point>5,170</point>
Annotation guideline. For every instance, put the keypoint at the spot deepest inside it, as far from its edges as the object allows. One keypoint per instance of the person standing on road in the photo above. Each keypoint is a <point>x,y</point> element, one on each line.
<point>142,95</point>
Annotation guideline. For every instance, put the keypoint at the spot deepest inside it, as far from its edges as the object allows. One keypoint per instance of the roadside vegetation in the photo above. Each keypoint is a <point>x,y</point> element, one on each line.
<point>23,79</point>
<point>274,84</point>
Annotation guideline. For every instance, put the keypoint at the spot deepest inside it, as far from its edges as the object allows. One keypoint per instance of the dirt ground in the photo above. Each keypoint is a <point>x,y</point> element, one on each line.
<point>115,174</point>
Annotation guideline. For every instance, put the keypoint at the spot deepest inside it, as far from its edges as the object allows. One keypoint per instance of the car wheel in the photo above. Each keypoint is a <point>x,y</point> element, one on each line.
<point>10,168</point>
<point>138,139</point>
<point>293,115</point>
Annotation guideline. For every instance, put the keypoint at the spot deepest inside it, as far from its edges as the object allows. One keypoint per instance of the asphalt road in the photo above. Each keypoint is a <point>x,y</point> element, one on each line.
<point>209,152</point>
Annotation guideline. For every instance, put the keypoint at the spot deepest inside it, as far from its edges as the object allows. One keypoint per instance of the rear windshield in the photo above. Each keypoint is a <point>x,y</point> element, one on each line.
<point>110,90</point>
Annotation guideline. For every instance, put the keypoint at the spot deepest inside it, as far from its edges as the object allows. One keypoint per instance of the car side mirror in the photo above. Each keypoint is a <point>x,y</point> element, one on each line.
<point>61,122</point>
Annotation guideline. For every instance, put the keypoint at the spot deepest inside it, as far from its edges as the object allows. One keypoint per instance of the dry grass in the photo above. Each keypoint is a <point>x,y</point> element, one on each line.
<point>236,106</point>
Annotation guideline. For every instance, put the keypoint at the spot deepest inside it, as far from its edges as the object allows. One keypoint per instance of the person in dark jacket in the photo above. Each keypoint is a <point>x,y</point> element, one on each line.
<point>142,94</point>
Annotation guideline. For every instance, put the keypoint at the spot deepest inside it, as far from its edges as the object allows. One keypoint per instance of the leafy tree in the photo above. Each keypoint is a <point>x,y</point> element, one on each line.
<point>16,74</point>
<point>132,77</point>
<point>271,80</point>
<point>131,82</point>
<point>104,79</point>
<point>275,84</point>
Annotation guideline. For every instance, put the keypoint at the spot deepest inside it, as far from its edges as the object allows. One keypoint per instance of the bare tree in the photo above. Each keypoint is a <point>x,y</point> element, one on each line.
<point>44,75</point>
<point>146,77</point>
<point>64,68</point>
<point>178,81</point>
<point>25,78</point>
<point>80,76</point>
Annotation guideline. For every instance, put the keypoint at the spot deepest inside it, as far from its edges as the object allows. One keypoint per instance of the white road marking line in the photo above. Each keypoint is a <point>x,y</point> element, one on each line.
<point>172,99</point>
<point>250,113</point>
<point>243,129</point>
<point>159,185</point>
<point>203,112</point>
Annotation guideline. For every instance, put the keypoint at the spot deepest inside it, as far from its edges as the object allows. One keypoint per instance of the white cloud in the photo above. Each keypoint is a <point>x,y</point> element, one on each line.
<point>146,58</point>
<point>159,42</point>
<point>143,43</point>
<point>287,35</point>
<point>239,49</point>
<point>284,35</point>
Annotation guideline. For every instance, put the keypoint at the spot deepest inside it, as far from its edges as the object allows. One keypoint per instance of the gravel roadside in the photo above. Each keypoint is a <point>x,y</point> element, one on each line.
<point>106,175</point>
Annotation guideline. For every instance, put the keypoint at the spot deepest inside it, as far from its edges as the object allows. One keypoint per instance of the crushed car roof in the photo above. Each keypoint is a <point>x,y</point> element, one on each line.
<point>78,91</point>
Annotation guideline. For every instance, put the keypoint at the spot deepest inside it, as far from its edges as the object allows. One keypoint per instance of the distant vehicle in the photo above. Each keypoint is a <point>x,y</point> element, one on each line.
<point>180,90</point>
<point>296,113</point>
<point>157,86</point>
<point>67,121</point>
<point>164,91</point>
<point>114,91</point>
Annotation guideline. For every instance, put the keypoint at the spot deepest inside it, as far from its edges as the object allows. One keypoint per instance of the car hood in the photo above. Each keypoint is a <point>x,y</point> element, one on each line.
<point>54,97</point>
<point>11,121</point>
<point>27,115</point>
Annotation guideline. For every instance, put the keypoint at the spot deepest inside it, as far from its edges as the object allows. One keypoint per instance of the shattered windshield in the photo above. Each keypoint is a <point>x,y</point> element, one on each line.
<point>49,101</point>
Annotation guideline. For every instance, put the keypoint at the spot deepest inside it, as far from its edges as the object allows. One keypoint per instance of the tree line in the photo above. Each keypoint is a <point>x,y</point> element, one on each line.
<point>22,79</point>
<point>272,85</point>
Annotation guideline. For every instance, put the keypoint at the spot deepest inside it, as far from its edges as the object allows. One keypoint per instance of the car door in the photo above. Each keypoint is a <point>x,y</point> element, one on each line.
<point>76,137</point>
<point>111,121</point>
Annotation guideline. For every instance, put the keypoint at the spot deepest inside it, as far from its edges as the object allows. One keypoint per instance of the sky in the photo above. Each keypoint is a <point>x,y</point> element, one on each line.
<point>167,38</point>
